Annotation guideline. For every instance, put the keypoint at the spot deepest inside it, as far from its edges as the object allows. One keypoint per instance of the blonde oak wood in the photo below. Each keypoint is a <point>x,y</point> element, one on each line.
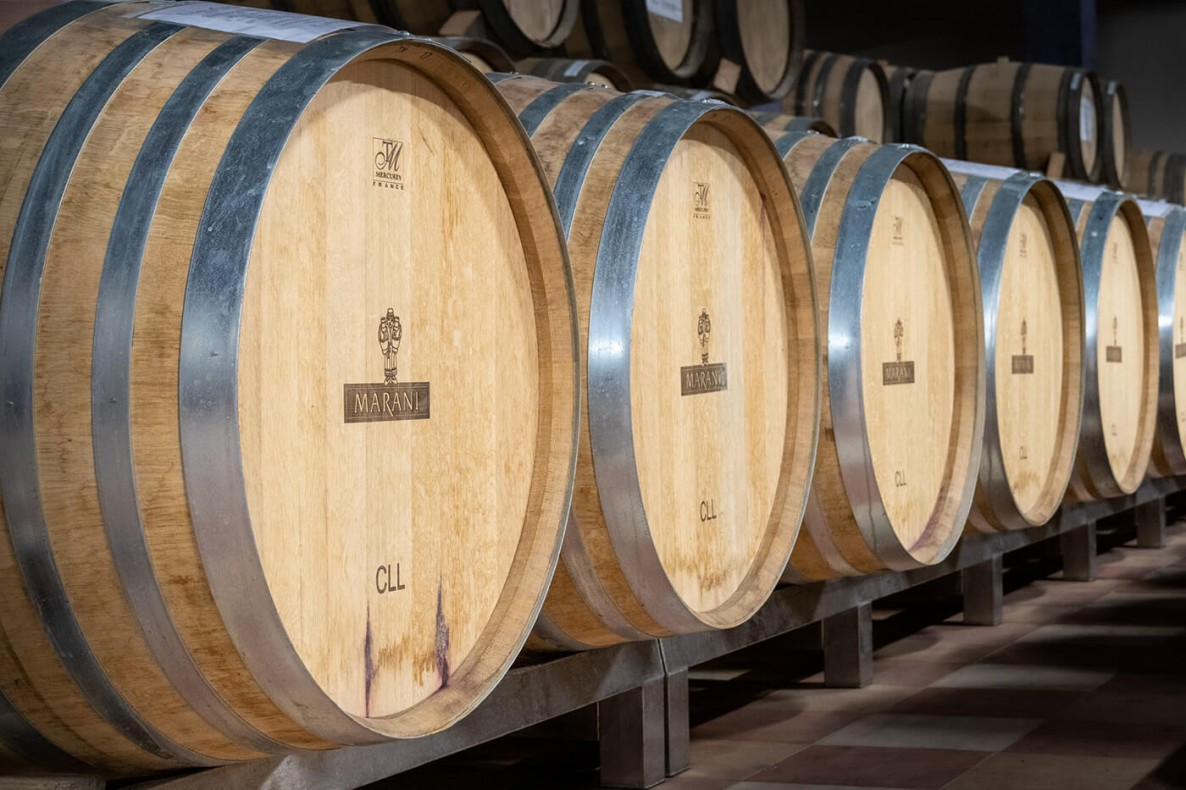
<point>485,307</point>
<point>1038,305</point>
<point>849,93</point>
<point>922,438</point>
<point>721,475</point>
<point>1013,114</point>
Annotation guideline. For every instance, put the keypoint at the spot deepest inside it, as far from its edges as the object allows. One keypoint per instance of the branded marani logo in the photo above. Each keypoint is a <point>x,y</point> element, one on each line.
<point>705,377</point>
<point>388,163</point>
<point>390,400</point>
<point>1114,353</point>
<point>896,230</point>
<point>1023,362</point>
<point>703,330</point>
<point>700,204</point>
<point>898,372</point>
<point>390,335</point>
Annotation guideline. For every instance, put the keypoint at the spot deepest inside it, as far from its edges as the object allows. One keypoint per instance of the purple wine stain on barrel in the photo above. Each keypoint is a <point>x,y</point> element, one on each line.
<point>368,658</point>
<point>442,639</point>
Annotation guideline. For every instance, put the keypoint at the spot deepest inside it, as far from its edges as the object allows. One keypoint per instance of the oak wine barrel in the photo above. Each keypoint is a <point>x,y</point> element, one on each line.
<point>698,326</point>
<point>1167,226</point>
<point>248,448</point>
<point>759,47</point>
<point>1032,288</point>
<point>1116,131</point>
<point>850,93</point>
<point>1121,360</point>
<point>594,72</point>
<point>486,56</point>
<point>1008,113</point>
<point>663,41</point>
<point>1158,174</point>
<point>900,306</point>
<point>794,123</point>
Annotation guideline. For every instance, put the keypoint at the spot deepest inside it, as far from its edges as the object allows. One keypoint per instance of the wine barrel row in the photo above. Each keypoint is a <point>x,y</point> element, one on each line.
<point>702,400</point>
<point>903,408</point>
<point>849,93</point>
<point>1160,175</point>
<point>220,540</point>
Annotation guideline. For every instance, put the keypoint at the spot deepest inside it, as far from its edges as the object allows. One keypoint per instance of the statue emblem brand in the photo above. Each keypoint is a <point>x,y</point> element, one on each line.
<point>1023,362</point>
<point>897,372</point>
<point>1180,346</point>
<point>701,208</point>
<point>391,400</point>
<point>1113,353</point>
<point>705,377</point>
<point>389,165</point>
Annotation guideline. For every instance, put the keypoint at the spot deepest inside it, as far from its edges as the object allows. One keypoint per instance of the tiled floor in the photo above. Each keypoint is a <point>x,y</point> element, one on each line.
<point>1082,687</point>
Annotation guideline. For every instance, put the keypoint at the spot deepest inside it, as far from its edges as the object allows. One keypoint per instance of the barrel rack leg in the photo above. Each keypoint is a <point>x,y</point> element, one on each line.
<point>678,736</point>
<point>1150,521</point>
<point>1078,553</point>
<point>984,592</point>
<point>632,734</point>
<point>848,647</point>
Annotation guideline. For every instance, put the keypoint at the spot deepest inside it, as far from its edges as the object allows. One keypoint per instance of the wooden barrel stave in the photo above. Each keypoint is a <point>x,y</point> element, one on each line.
<point>593,139</point>
<point>486,56</point>
<point>837,540</point>
<point>1120,398</point>
<point>100,731</point>
<point>1029,272</point>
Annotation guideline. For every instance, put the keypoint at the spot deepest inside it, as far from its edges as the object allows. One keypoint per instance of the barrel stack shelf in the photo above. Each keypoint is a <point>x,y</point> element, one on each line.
<point>640,689</point>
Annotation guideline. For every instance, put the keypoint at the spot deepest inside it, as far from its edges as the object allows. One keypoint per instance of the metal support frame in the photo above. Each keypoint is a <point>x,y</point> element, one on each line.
<point>1150,523</point>
<point>679,737</point>
<point>1079,553</point>
<point>632,737</point>
<point>643,685</point>
<point>984,592</point>
<point>848,647</point>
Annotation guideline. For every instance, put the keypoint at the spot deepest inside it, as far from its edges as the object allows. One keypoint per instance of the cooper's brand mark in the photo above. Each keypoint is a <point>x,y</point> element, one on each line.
<point>705,377</point>
<point>391,400</point>
<point>1114,353</point>
<point>701,208</point>
<point>897,372</point>
<point>389,169</point>
<point>1023,362</point>
<point>896,236</point>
